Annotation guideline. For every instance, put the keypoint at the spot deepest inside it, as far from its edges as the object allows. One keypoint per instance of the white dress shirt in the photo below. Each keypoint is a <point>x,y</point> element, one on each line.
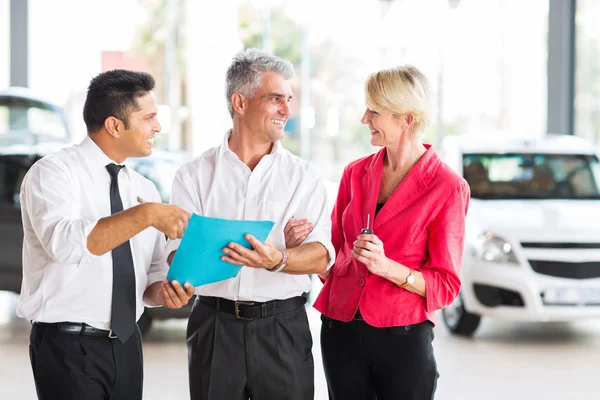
<point>217,184</point>
<point>62,198</point>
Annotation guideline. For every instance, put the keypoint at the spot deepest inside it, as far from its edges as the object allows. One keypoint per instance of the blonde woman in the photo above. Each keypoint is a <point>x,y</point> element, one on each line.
<point>379,300</point>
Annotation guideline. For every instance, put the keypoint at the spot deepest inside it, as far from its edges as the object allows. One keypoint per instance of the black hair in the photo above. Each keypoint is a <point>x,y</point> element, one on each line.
<point>114,94</point>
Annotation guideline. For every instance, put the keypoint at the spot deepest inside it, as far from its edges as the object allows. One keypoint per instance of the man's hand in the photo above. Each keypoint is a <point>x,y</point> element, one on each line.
<point>173,295</point>
<point>169,219</point>
<point>262,256</point>
<point>296,232</point>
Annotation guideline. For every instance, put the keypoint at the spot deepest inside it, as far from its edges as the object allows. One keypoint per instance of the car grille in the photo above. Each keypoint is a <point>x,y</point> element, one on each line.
<point>584,270</point>
<point>491,296</point>
<point>538,245</point>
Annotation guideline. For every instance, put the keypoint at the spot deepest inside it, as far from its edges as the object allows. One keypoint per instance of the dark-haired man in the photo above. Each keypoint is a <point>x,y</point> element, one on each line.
<point>93,256</point>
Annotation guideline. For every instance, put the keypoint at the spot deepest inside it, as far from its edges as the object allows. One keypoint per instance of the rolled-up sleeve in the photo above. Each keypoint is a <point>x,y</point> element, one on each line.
<point>158,266</point>
<point>446,240</point>
<point>313,207</point>
<point>182,196</point>
<point>49,200</point>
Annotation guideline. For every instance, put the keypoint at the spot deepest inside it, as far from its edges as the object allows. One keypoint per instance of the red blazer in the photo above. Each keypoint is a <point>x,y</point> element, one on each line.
<point>422,226</point>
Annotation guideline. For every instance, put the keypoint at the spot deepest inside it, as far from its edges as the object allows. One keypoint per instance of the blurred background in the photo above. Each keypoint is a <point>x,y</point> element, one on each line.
<point>498,68</point>
<point>487,61</point>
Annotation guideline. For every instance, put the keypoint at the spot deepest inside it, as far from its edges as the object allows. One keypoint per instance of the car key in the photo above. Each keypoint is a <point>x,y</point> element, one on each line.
<point>367,230</point>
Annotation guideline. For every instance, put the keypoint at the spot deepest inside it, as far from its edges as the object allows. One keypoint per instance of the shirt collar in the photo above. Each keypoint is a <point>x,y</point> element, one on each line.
<point>224,148</point>
<point>94,154</point>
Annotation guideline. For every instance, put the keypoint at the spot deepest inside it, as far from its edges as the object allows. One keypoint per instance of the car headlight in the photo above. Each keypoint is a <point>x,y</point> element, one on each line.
<point>496,249</point>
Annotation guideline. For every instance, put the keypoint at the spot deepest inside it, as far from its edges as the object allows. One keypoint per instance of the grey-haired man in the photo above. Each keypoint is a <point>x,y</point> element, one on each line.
<point>248,337</point>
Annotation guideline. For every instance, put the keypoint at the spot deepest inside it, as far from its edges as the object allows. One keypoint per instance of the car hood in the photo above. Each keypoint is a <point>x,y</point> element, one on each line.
<point>537,220</point>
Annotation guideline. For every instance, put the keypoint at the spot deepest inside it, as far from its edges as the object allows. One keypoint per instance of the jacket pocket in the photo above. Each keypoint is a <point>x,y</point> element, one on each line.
<point>341,265</point>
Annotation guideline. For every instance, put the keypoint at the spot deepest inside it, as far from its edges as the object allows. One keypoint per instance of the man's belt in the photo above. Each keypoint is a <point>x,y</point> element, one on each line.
<point>250,310</point>
<point>78,329</point>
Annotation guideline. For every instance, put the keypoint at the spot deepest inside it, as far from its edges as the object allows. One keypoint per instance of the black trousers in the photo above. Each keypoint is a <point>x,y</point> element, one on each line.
<point>68,366</point>
<point>263,359</point>
<point>362,362</point>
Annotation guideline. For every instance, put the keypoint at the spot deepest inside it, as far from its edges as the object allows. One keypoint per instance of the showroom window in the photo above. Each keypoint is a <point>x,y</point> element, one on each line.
<point>587,70</point>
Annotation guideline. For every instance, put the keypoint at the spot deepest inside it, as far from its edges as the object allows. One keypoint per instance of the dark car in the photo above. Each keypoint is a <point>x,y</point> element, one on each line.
<point>30,129</point>
<point>26,119</point>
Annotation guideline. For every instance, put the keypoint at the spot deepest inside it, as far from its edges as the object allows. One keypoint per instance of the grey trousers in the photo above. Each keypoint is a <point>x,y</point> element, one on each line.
<point>263,359</point>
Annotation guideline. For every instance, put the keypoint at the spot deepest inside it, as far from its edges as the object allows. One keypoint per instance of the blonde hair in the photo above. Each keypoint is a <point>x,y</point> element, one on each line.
<point>401,90</point>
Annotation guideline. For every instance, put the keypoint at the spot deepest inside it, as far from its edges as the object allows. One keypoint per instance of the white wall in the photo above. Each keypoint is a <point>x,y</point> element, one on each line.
<point>66,40</point>
<point>212,39</point>
<point>4,43</point>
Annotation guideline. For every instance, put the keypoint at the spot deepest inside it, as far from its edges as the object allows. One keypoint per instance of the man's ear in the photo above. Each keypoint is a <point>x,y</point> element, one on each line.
<point>240,103</point>
<point>114,126</point>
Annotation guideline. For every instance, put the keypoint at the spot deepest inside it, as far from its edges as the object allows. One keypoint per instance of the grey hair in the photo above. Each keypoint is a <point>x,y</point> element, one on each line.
<point>244,73</point>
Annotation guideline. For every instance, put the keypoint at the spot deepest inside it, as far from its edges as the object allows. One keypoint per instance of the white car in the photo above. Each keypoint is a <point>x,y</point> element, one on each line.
<point>532,249</point>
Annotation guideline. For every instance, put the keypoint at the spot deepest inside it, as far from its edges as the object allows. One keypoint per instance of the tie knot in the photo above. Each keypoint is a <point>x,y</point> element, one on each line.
<point>113,170</point>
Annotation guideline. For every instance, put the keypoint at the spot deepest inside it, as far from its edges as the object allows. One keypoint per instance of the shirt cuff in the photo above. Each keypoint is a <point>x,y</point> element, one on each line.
<point>87,226</point>
<point>154,277</point>
<point>326,242</point>
<point>172,245</point>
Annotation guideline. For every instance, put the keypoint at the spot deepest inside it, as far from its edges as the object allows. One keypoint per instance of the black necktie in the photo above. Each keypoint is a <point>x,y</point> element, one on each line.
<point>123,290</point>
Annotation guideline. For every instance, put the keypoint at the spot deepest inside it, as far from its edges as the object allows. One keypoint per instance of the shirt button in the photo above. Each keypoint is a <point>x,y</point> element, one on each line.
<point>361,282</point>
<point>407,328</point>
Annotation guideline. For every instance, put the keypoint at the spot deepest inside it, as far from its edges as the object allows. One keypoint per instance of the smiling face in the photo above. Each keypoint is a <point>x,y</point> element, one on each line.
<point>137,141</point>
<point>269,108</point>
<point>386,128</point>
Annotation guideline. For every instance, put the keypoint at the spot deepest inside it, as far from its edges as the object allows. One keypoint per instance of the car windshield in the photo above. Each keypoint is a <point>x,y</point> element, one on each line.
<point>26,121</point>
<point>532,176</point>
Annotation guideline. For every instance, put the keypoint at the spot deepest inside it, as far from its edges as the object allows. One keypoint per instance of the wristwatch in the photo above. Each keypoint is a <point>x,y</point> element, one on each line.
<point>410,279</point>
<point>282,264</point>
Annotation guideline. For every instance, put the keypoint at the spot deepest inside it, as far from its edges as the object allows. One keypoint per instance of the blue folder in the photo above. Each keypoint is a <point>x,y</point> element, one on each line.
<point>198,258</point>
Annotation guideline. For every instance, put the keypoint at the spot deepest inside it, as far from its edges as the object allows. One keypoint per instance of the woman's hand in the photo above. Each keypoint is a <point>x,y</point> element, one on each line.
<point>368,249</point>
